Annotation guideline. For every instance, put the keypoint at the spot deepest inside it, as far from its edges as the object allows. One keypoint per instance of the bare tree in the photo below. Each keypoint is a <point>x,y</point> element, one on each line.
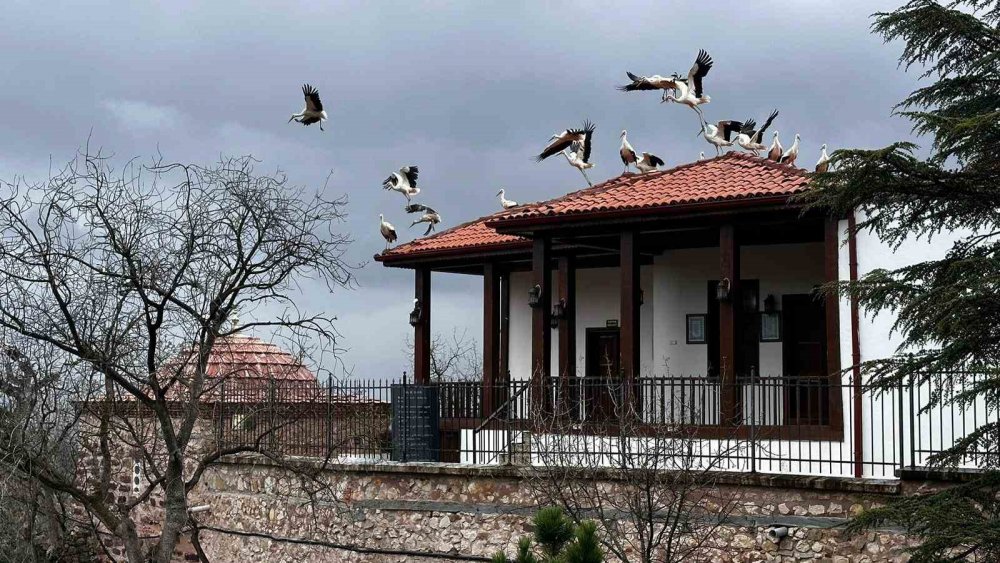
<point>632,462</point>
<point>454,358</point>
<point>117,285</point>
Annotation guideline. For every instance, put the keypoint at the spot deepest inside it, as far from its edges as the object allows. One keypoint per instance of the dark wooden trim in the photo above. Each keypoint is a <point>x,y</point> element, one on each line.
<point>831,268</point>
<point>504,367</point>
<point>629,320</point>
<point>541,332</point>
<point>729,257</point>
<point>858,419</point>
<point>567,324</point>
<point>422,332</point>
<point>491,336</point>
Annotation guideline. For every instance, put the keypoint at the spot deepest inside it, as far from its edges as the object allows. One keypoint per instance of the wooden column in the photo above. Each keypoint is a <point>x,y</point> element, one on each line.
<point>567,330</point>
<point>541,332</point>
<point>630,301</point>
<point>729,253</point>
<point>831,270</point>
<point>491,336</point>
<point>503,375</point>
<point>422,332</point>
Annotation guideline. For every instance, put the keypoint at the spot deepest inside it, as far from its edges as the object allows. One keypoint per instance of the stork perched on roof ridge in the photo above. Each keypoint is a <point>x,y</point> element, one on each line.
<point>387,230</point>
<point>823,164</point>
<point>504,202</point>
<point>403,181</point>
<point>789,156</point>
<point>774,152</point>
<point>313,111</point>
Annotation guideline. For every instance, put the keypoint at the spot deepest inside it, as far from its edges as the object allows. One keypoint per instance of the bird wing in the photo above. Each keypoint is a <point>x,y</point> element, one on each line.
<point>727,127</point>
<point>748,128</point>
<point>702,64</point>
<point>411,174</point>
<point>557,145</point>
<point>588,133</point>
<point>653,159</point>
<point>312,98</point>
<point>638,83</point>
<point>760,133</point>
<point>627,154</point>
<point>419,207</point>
<point>391,182</point>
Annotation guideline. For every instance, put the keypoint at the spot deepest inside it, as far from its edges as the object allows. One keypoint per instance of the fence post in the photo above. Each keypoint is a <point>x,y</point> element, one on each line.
<point>913,430</point>
<point>222,412</point>
<point>404,408</point>
<point>508,416</point>
<point>752,437</point>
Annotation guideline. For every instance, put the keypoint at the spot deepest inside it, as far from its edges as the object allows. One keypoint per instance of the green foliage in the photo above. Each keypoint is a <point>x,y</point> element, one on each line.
<point>559,540</point>
<point>947,310</point>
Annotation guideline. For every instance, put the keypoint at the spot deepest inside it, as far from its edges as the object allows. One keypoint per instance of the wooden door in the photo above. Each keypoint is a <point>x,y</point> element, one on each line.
<point>603,373</point>
<point>807,386</point>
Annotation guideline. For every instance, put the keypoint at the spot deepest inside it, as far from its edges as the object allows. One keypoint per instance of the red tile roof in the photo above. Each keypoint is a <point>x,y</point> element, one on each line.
<point>731,177</point>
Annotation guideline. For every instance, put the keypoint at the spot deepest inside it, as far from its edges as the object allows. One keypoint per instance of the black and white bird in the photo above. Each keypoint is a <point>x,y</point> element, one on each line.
<point>644,162</point>
<point>579,158</point>
<point>313,112</point>
<point>750,139</point>
<point>429,216</point>
<point>562,141</point>
<point>688,91</point>
<point>648,162</point>
<point>721,134</point>
<point>701,155</point>
<point>654,82</point>
<point>775,150</point>
<point>387,230</point>
<point>823,164</point>
<point>789,156</point>
<point>403,181</point>
<point>504,202</point>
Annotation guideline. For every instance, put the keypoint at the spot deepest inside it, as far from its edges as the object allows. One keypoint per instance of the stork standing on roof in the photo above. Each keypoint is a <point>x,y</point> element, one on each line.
<point>644,162</point>
<point>721,134</point>
<point>578,141</point>
<point>823,164</point>
<point>403,181</point>
<point>774,152</point>
<point>701,155</point>
<point>387,230</point>
<point>313,112</point>
<point>688,91</point>
<point>504,202</point>
<point>789,156</point>
<point>429,216</point>
<point>749,138</point>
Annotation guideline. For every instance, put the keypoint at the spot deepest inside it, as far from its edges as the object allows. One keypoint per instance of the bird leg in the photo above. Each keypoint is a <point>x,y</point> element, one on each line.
<point>584,172</point>
<point>321,126</point>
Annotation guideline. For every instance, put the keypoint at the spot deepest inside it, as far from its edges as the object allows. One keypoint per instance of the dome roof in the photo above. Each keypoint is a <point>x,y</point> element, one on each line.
<point>248,357</point>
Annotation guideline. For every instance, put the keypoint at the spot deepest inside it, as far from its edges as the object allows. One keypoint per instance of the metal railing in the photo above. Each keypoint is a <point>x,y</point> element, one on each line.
<point>808,426</point>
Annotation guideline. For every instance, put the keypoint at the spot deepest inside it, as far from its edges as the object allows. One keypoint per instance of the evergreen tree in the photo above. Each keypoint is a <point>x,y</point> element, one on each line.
<point>947,310</point>
<point>559,540</point>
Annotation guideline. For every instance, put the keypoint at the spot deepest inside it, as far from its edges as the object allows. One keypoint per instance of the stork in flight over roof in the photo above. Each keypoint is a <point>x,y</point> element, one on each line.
<point>403,181</point>
<point>579,158</point>
<point>429,216</point>
<point>387,230</point>
<point>689,91</point>
<point>313,112</point>
<point>721,134</point>
<point>750,138</point>
<point>504,202</point>
<point>562,141</point>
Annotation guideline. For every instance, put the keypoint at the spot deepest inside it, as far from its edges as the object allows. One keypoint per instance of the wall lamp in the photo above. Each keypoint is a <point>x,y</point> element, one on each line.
<point>722,290</point>
<point>770,304</point>
<point>558,312</point>
<point>534,296</point>
<point>417,314</point>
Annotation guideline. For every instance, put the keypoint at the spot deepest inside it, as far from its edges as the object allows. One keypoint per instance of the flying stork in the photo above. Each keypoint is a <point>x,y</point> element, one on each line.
<point>561,141</point>
<point>429,216</point>
<point>823,165</point>
<point>504,202</point>
<point>774,153</point>
<point>789,156</point>
<point>579,158</point>
<point>313,112</point>
<point>750,139</point>
<point>387,230</point>
<point>403,181</point>
<point>688,90</point>
<point>720,134</point>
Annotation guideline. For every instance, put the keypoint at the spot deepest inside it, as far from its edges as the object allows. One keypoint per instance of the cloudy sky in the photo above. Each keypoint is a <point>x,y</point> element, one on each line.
<point>469,91</point>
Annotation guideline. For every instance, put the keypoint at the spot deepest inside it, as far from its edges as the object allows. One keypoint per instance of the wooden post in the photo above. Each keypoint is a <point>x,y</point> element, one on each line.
<point>567,330</point>
<point>831,270</point>
<point>491,337</point>
<point>422,332</point>
<point>541,332</point>
<point>729,253</point>
<point>630,301</point>
<point>503,376</point>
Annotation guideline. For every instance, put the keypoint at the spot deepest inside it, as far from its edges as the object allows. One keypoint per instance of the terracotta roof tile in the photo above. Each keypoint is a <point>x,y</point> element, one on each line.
<point>733,176</point>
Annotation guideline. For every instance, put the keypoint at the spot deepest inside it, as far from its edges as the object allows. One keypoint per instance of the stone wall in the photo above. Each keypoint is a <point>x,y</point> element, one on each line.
<point>463,511</point>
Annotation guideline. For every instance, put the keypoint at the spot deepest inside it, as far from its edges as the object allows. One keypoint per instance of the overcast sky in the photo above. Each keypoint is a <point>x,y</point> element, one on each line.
<point>467,91</point>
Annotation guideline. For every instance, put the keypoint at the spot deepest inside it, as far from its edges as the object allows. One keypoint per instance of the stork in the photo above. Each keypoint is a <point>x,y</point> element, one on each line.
<point>789,156</point>
<point>648,162</point>
<point>750,139</point>
<point>313,112</point>
<point>387,230</point>
<point>721,133</point>
<point>561,141</point>
<point>654,82</point>
<point>701,155</point>
<point>627,152</point>
<point>689,90</point>
<point>429,216</point>
<point>774,153</point>
<point>403,181</point>
<point>823,165</point>
<point>504,202</point>
<point>578,157</point>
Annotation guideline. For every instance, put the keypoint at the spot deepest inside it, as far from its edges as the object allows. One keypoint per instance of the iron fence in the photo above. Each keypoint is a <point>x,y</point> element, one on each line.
<point>794,425</point>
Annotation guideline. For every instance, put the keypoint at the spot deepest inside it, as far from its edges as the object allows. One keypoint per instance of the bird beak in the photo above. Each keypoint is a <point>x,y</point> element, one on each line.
<point>498,193</point>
